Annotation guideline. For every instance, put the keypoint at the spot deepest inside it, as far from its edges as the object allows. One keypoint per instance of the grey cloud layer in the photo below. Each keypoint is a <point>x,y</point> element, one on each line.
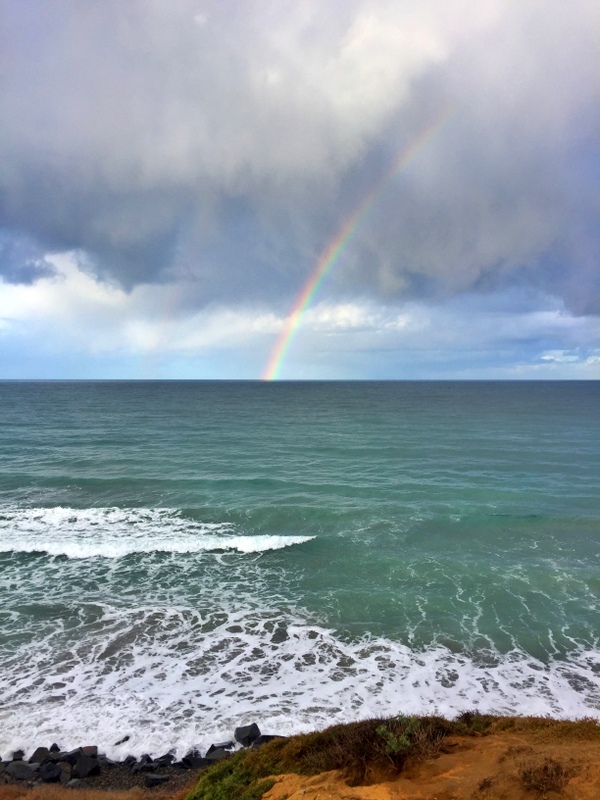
<point>224,141</point>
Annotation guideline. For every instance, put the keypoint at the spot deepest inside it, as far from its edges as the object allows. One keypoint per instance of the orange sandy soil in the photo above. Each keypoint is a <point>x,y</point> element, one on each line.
<point>496,766</point>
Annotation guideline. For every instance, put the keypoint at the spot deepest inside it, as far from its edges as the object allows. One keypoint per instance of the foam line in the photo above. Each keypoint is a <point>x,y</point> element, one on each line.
<point>179,684</point>
<point>116,533</point>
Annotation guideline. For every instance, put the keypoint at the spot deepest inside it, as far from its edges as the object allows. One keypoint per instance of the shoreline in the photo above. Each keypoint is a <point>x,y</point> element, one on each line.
<point>372,759</point>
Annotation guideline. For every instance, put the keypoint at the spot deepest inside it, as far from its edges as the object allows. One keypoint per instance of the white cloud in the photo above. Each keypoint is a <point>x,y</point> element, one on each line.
<point>99,317</point>
<point>561,356</point>
<point>72,312</point>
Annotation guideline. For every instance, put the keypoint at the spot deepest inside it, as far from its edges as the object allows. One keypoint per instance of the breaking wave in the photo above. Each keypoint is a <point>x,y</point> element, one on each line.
<point>116,533</point>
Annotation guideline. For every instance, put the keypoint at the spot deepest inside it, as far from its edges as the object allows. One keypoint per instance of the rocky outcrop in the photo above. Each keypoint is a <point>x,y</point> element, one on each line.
<point>82,766</point>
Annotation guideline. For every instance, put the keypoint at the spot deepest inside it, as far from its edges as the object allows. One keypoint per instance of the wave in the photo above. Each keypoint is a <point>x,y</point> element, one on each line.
<point>117,533</point>
<point>168,679</point>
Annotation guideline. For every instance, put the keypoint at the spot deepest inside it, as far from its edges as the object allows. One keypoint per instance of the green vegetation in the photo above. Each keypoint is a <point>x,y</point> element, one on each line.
<point>399,743</point>
<point>365,751</point>
<point>375,750</point>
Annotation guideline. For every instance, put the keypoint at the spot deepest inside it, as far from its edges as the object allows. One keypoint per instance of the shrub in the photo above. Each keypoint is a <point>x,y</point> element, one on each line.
<point>550,776</point>
<point>363,751</point>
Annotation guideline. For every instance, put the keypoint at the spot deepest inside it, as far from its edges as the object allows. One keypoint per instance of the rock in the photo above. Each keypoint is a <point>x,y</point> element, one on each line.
<point>166,760</point>
<point>40,755</point>
<point>67,771</point>
<point>91,751</point>
<point>246,734</point>
<point>280,635</point>
<point>221,746</point>
<point>129,761</point>
<point>54,748</point>
<point>50,772</point>
<point>193,754</point>
<point>146,766</point>
<point>194,762</point>
<point>71,757</point>
<point>85,766</point>
<point>18,755</point>
<point>217,755</point>
<point>191,760</point>
<point>146,758</point>
<point>77,783</point>
<point>122,741</point>
<point>20,771</point>
<point>155,780</point>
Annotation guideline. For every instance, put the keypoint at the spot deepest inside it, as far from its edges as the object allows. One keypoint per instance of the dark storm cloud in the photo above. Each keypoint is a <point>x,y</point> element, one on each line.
<point>22,260</point>
<point>223,142</point>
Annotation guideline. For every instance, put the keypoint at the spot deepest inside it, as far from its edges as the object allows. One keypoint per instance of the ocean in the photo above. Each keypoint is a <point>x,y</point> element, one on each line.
<point>178,558</point>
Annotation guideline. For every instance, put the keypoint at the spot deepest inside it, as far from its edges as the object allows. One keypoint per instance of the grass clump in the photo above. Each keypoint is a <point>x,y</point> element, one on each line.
<point>472,723</point>
<point>548,729</point>
<point>550,776</point>
<point>398,742</point>
<point>365,752</point>
<point>231,780</point>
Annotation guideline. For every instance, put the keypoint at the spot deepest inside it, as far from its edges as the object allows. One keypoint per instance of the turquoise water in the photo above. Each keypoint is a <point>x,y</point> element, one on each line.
<point>180,557</point>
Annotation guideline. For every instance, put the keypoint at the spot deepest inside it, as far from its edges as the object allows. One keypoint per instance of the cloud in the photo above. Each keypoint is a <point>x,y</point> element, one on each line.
<point>21,260</point>
<point>68,324</point>
<point>221,144</point>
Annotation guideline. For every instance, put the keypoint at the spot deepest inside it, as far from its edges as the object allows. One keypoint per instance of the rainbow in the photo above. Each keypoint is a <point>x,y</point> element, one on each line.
<point>332,251</point>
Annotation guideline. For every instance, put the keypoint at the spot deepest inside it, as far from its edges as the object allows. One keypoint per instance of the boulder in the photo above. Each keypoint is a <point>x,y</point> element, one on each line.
<point>40,755</point>
<point>91,751</point>
<point>194,762</point>
<point>194,753</point>
<point>155,780</point>
<point>221,746</point>
<point>85,766</point>
<point>72,757</point>
<point>20,771</point>
<point>166,760</point>
<point>18,755</point>
<point>129,761</point>
<point>122,741</point>
<point>144,766</point>
<point>246,734</point>
<point>67,771</point>
<point>50,772</point>
<point>54,748</point>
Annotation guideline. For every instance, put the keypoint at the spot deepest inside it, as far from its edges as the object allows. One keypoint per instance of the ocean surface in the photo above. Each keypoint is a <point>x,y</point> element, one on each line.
<point>178,558</point>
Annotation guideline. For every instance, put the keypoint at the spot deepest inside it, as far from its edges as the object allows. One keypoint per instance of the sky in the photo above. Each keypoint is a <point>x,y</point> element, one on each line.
<point>300,189</point>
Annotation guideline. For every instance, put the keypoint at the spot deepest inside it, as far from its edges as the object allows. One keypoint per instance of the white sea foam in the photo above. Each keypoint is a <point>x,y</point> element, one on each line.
<point>188,648</point>
<point>115,533</point>
<point>168,679</point>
